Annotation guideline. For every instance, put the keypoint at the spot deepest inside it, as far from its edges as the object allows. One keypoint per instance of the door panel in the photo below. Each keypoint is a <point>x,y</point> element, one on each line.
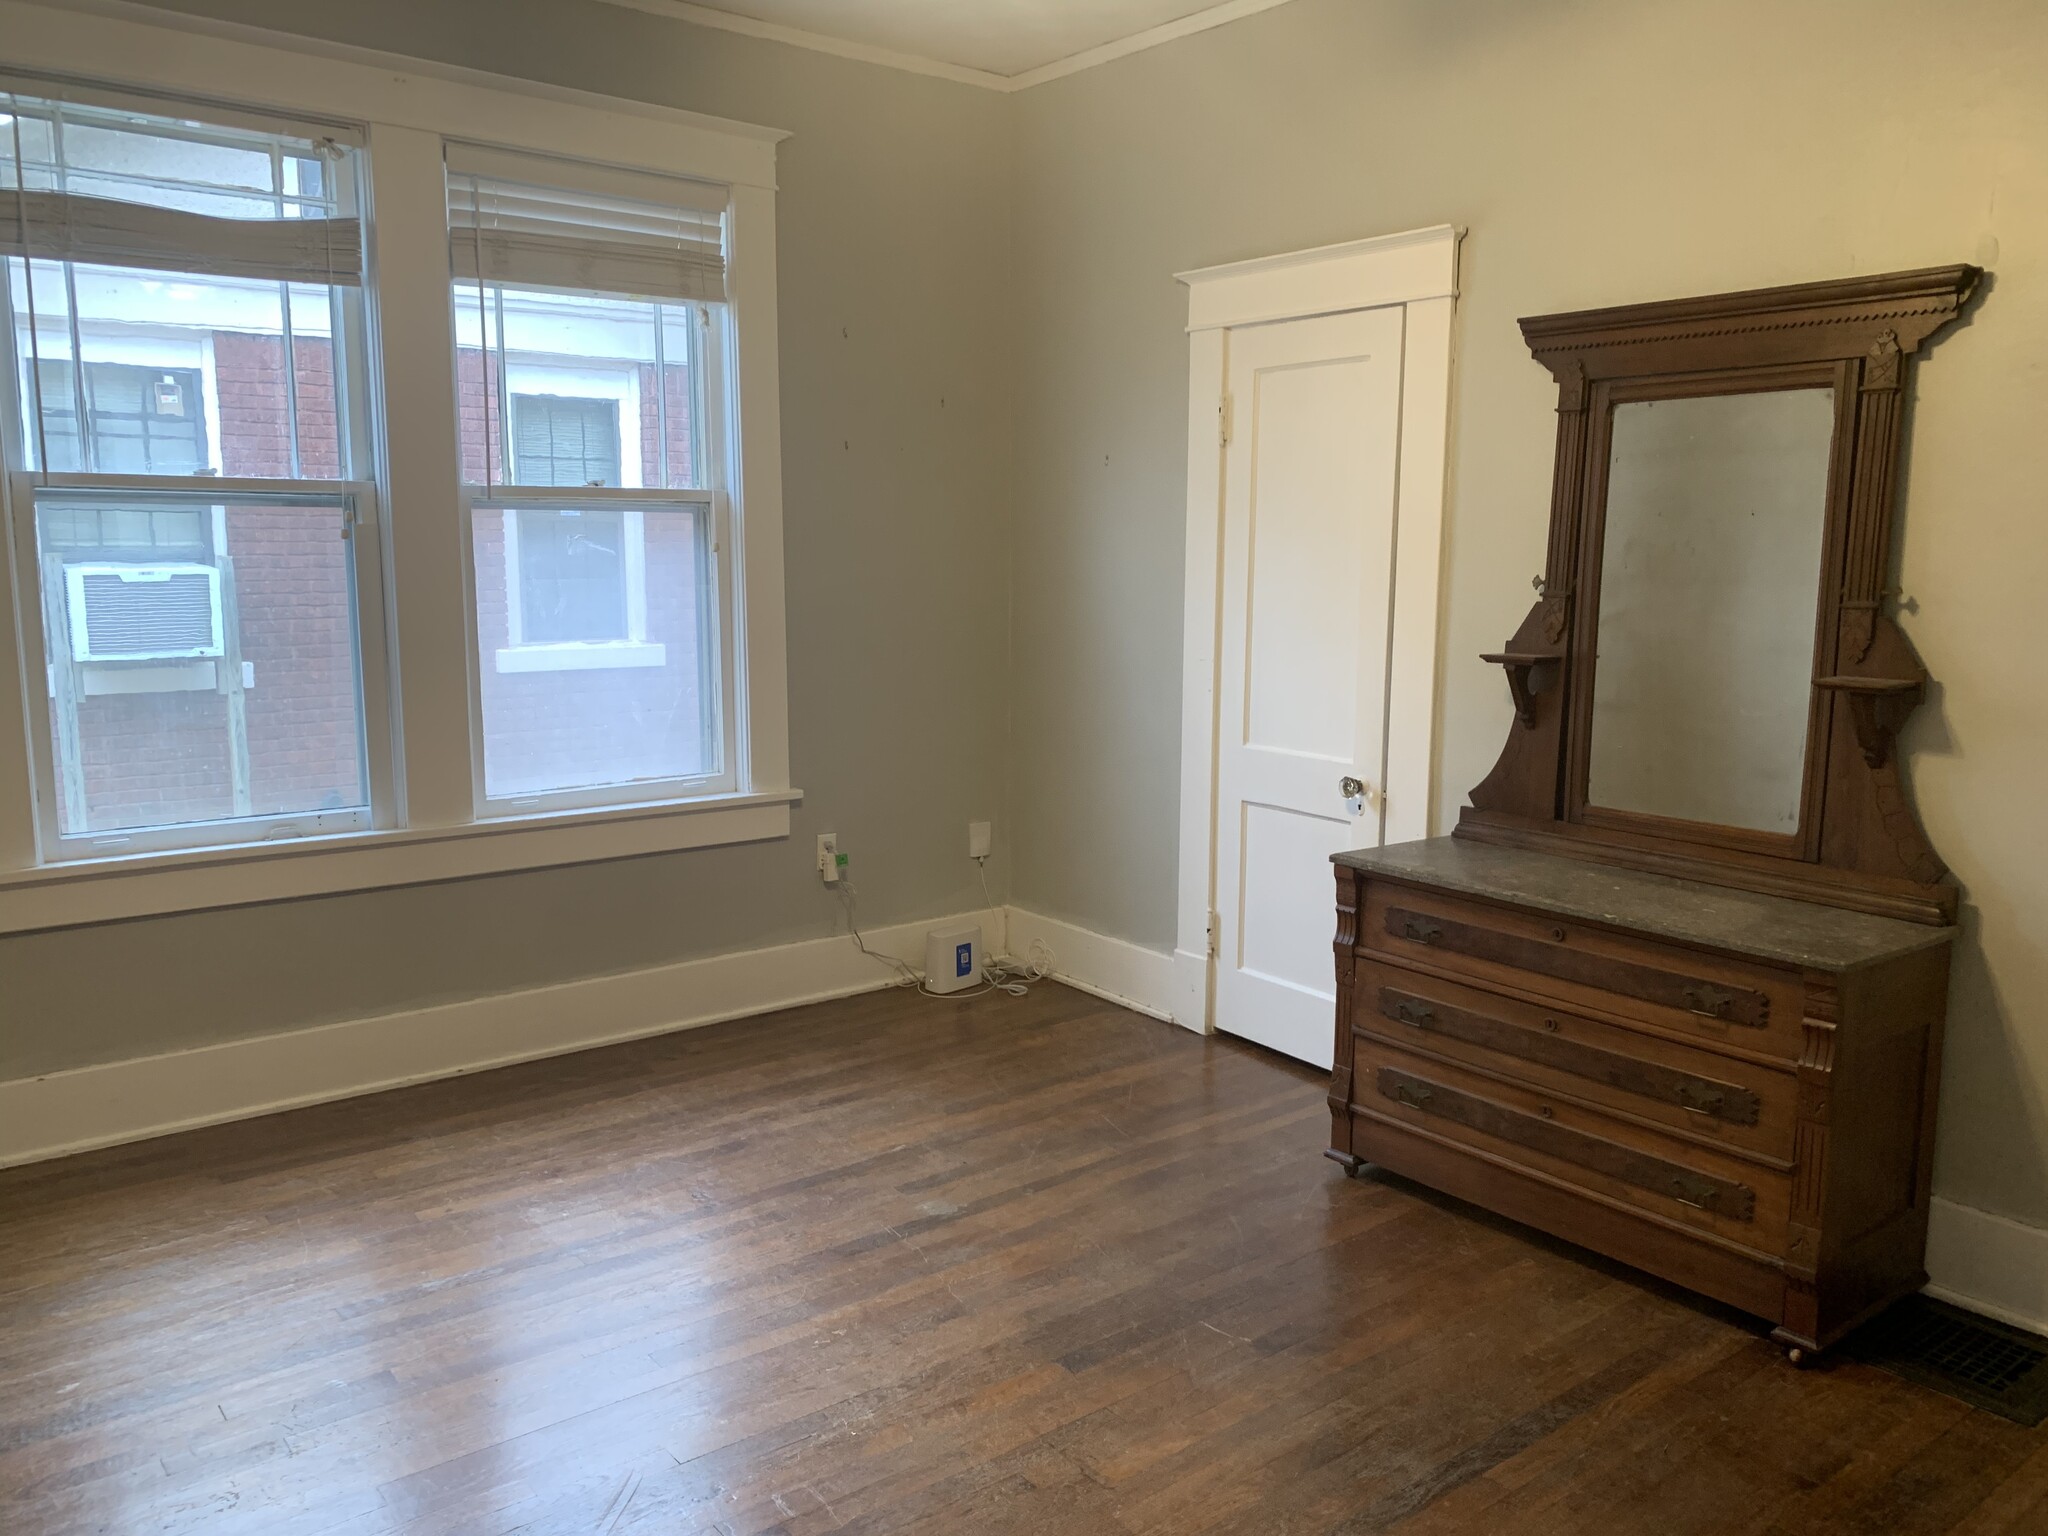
<point>1285,932</point>
<point>1302,561</point>
<point>1308,559</point>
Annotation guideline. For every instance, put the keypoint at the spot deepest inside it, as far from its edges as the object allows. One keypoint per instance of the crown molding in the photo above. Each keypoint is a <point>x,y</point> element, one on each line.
<point>960,74</point>
<point>816,42</point>
<point>1139,42</point>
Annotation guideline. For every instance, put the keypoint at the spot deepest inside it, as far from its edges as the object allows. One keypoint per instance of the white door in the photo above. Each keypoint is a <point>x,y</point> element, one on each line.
<point>1309,481</point>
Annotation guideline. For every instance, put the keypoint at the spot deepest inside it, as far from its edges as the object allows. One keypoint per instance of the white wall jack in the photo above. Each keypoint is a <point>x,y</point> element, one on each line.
<point>977,839</point>
<point>830,860</point>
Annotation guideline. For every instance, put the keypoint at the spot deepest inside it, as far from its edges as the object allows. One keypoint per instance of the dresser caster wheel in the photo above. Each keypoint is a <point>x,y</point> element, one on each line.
<point>1796,1357</point>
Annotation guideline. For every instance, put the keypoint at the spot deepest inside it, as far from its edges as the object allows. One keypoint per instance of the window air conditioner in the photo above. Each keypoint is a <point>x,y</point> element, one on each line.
<point>144,612</point>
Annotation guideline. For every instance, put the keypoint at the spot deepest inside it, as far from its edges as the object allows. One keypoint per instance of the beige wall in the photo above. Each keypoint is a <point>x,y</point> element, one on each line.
<point>894,279</point>
<point>1600,152</point>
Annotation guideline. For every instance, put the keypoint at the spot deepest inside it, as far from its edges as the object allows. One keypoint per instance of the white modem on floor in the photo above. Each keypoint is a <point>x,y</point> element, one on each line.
<point>952,958</point>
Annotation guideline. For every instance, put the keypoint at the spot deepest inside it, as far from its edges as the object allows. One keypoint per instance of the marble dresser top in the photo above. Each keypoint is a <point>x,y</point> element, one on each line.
<point>1776,929</point>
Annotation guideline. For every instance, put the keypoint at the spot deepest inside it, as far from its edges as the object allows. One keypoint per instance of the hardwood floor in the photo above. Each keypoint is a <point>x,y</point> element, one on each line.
<point>887,1264</point>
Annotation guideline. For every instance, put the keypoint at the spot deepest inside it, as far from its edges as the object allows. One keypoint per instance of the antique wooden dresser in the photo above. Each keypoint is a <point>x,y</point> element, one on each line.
<point>1734,1091</point>
<point>1675,988</point>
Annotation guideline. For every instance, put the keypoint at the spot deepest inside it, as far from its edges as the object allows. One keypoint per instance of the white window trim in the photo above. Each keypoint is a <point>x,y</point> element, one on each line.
<point>110,889</point>
<point>407,108</point>
<point>581,655</point>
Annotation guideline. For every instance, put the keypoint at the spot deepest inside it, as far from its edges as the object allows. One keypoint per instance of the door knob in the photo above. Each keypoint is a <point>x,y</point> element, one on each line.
<point>1354,793</point>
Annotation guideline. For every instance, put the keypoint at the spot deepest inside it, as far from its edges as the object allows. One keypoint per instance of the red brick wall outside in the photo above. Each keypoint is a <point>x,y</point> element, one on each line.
<point>164,758</point>
<point>476,414</point>
<point>151,758</point>
<point>681,447</point>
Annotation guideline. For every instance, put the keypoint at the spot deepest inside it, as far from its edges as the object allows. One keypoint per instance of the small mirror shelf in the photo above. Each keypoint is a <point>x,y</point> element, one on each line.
<point>1878,707</point>
<point>1709,685</point>
<point>1529,674</point>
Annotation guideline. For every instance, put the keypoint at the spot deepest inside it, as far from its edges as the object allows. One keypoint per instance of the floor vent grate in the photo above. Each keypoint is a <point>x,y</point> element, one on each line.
<point>1984,1363</point>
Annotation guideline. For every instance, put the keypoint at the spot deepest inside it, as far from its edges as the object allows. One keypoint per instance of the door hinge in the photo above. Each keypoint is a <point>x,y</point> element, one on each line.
<point>1224,412</point>
<point>1215,922</point>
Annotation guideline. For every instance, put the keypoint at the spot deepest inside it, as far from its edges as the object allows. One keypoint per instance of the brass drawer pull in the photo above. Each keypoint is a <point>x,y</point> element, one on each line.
<point>1413,1094</point>
<point>1612,1159</point>
<point>1728,1102</point>
<point>1708,1002</point>
<point>1696,1192</point>
<point>1699,1098</point>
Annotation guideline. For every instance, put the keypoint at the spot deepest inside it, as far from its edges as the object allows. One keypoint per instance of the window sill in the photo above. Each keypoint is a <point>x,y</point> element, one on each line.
<point>581,656</point>
<point>147,885</point>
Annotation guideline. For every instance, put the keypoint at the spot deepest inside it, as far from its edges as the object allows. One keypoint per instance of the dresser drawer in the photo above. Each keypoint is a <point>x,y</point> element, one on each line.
<point>1695,1186</point>
<point>1739,1104</point>
<point>1756,1008</point>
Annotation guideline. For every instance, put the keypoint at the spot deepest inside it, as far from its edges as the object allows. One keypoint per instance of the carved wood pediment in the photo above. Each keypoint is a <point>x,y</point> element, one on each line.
<point>1858,843</point>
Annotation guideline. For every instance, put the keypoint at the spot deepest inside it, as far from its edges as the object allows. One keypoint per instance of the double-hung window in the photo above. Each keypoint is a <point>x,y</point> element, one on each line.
<point>187,453</point>
<point>591,330</point>
<point>390,476</point>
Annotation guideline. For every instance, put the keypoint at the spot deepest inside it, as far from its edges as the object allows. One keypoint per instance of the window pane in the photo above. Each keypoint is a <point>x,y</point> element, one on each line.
<point>184,374</point>
<point>572,575</point>
<point>597,643</point>
<point>203,660</point>
<point>262,349</point>
<point>133,156</point>
<point>144,420</point>
<point>562,440</point>
<point>518,346</point>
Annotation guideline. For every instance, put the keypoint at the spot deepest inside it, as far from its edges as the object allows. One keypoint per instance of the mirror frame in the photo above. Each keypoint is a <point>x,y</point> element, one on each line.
<point>1859,844</point>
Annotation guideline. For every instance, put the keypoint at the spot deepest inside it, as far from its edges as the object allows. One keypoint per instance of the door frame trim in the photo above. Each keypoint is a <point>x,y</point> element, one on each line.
<point>1418,270</point>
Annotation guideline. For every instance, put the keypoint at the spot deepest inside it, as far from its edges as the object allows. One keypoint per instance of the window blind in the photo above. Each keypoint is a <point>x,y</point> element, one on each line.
<point>531,222</point>
<point>65,226</point>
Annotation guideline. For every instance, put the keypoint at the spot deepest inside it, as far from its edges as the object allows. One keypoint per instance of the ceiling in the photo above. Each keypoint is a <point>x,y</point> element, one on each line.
<point>1001,38</point>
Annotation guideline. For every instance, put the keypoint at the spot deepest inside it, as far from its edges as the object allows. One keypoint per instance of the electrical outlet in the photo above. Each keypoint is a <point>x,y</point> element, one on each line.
<point>977,839</point>
<point>829,861</point>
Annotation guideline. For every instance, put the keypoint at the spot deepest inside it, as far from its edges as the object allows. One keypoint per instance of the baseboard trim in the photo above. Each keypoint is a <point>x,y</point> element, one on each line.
<point>1988,1263</point>
<point>1191,991</point>
<point>125,1101</point>
<point>1114,970</point>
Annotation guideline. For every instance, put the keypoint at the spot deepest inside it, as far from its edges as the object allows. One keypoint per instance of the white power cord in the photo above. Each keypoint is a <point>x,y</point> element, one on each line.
<point>1001,973</point>
<point>1006,971</point>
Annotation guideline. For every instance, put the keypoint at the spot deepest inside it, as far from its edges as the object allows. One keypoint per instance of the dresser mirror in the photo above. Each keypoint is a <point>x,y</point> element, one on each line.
<point>1710,683</point>
<point>1708,574</point>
